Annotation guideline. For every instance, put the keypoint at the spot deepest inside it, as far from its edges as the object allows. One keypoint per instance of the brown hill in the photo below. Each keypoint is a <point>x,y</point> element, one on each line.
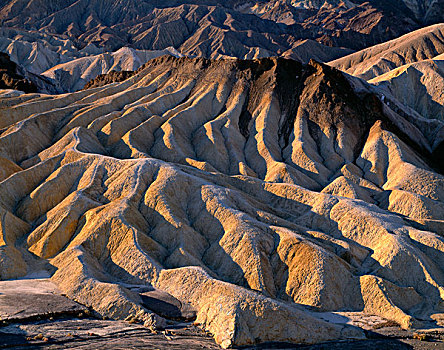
<point>10,77</point>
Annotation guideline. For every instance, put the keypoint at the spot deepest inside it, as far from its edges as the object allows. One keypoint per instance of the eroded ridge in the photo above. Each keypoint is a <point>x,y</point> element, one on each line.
<point>245,188</point>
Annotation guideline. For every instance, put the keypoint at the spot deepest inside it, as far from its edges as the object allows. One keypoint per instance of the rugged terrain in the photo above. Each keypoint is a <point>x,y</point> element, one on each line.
<point>409,69</point>
<point>59,46</point>
<point>214,28</point>
<point>423,44</point>
<point>418,85</point>
<point>73,75</point>
<point>258,192</point>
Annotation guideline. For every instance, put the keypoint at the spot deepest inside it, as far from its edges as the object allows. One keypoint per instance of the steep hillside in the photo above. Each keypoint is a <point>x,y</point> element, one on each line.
<point>418,85</point>
<point>257,191</point>
<point>73,75</point>
<point>422,44</point>
<point>10,77</point>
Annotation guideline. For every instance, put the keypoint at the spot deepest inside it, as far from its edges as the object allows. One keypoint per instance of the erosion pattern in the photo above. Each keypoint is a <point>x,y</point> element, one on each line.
<point>418,85</point>
<point>410,68</point>
<point>422,44</point>
<point>214,28</point>
<point>10,77</point>
<point>256,191</point>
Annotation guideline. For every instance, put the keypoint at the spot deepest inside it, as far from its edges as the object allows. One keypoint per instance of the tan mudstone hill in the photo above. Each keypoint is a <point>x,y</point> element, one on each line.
<point>419,85</point>
<point>422,44</point>
<point>257,191</point>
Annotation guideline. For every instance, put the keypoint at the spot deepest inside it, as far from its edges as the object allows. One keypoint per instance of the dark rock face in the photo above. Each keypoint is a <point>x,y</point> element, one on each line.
<point>111,77</point>
<point>167,306</point>
<point>11,79</point>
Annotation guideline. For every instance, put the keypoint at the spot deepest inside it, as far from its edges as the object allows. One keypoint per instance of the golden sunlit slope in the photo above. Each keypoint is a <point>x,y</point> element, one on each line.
<point>249,189</point>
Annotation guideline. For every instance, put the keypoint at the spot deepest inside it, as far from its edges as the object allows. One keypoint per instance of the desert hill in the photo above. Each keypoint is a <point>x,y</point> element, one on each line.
<point>425,43</point>
<point>410,69</point>
<point>73,75</point>
<point>56,66</point>
<point>418,85</point>
<point>258,191</point>
<point>37,52</point>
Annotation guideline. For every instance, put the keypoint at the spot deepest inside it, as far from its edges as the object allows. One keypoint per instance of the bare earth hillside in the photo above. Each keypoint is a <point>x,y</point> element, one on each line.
<point>73,75</point>
<point>258,192</point>
<point>215,28</point>
<point>419,85</point>
<point>410,69</point>
<point>425,43</point>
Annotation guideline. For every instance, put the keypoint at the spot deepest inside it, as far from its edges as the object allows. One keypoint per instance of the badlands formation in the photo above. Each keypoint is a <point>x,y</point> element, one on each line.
<point>220,28</point>
<point>418,85</point>
<point>54,64</point>
<point>259,192</point>
<point>409,69</point>
<point>422,44</point>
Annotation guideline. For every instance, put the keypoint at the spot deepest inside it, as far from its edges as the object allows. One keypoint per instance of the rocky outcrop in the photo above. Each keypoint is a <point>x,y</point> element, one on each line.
<point>109,78</point>
<point>10,78</point>
<point>419,85</point>
<point>257,192</point>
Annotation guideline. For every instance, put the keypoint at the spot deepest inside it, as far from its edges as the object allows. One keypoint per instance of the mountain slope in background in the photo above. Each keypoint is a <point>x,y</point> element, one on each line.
<point>213,28</point>
<point>37,52</point>
<point>237,187</point>
<point>40,35</point>
<point>425,43</point>
<point>418,85</point>
<point>409,68</point>
<point>72,76</point>
<point>56,66</point>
